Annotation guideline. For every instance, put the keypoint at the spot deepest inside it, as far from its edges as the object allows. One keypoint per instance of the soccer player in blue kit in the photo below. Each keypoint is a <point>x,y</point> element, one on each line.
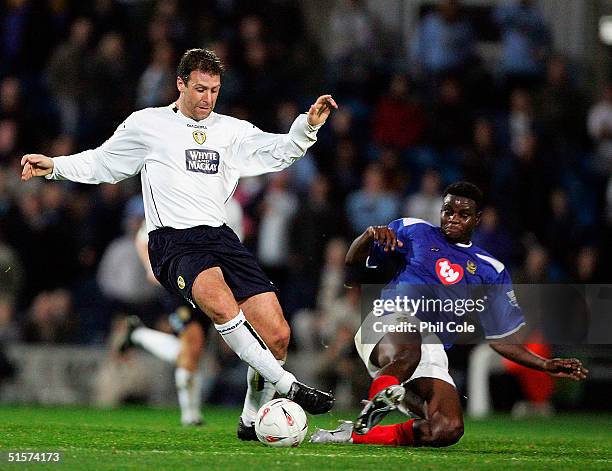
<point>410,368</point>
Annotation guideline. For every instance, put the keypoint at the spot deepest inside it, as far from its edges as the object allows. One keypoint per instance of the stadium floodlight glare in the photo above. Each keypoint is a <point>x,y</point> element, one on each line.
<point>605,30</point>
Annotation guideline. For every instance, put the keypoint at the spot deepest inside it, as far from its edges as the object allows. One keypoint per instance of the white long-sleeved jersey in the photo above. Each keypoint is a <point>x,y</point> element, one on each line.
<point>188,168</point>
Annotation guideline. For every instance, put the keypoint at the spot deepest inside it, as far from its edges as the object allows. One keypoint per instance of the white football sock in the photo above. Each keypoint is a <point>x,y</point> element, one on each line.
<point>164,346</point>
<point>259,391</point>
<point>242,339</point>
<point>189,391</point>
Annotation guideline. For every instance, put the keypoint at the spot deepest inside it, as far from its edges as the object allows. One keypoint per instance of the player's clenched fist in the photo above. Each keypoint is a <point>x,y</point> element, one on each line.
<point>384,236</point>
<point>320,110</point>
<point>35,165</point>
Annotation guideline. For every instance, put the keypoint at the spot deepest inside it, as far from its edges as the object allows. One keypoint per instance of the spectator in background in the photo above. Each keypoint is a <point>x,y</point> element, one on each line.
<point>10,98</point>
<point>493,237</point>
<point>523,184</point>
<point>372,204</point>
<point>309,325</point>
<point>481,159</point>
<point>521,120</point>
<point>11,273</point>
<point>426,203</point>
<point>587,266</point>
<point>600,129</point>
<point>560,220</point>
<point>443,43</point>
<point>8,139</point>
<point>65,71</point>
<point>525,43</point>
<point>396,176</point>
<point>315,222</point>
<point>51,319</point>
<point>121,275</point>
<point>277,210</point>
<point>399,120</point>
<point>535,268</point>
<point>107,75</point>
<point>451,120</point>
<point>561,109</point>
<point>345,169</point>
<point>156,86</point>
<point>352,43</point>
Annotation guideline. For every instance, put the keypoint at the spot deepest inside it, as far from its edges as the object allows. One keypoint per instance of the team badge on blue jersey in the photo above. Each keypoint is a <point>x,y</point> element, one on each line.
<point>202,160</point>
<point>199,137</point>
<point>471,267</point>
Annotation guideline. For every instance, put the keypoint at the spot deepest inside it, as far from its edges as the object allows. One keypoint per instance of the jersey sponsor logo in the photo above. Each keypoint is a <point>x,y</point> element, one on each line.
<point>449,273</point>
<point>199,137</point>
<point>202,160</point>
<point>471,267</point>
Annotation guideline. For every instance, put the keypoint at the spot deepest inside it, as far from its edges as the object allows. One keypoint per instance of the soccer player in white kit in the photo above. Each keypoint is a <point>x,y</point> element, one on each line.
<point>190,160</point>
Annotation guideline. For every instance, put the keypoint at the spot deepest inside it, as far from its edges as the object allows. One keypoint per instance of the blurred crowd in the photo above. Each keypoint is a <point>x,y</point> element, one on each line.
<point>413,118</point>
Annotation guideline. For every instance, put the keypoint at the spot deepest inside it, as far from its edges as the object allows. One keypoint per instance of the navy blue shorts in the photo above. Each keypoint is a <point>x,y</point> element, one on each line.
<point>178,256</point>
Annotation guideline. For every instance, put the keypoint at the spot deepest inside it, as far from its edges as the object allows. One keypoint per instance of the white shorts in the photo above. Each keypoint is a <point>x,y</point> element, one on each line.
<point>433,364</point>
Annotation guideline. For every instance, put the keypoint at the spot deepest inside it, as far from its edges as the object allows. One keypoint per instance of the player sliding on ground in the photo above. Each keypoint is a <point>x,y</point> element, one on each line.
<point>410,369</point>
<point>190,160</point>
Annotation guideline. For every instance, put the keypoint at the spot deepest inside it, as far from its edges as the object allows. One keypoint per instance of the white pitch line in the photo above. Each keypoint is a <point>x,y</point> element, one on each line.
<point>324,455</point>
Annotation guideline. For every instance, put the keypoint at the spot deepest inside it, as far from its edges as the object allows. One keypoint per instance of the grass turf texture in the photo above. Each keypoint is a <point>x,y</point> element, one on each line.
<point>141,438</point>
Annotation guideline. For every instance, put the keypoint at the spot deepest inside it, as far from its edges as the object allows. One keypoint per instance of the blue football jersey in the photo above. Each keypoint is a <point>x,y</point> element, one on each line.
<point>430,267</point>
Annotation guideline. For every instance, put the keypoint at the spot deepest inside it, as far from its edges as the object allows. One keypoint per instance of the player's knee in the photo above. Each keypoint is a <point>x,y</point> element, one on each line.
<point>446,431</point>
<point>407,359</point>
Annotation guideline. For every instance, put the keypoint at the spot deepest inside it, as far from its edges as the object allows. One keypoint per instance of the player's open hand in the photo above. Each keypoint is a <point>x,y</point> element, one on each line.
<point>35,165</point>
<point>385,237</point>
<point>318,113</point>
<point>566,368</point>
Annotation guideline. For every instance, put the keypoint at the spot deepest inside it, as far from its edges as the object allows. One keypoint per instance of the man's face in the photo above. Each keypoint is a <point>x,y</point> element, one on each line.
<point>199,94</point>
<point>458,218</point>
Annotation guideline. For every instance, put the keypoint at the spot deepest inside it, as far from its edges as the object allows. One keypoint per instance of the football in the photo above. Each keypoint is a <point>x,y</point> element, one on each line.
<point>281,423</point>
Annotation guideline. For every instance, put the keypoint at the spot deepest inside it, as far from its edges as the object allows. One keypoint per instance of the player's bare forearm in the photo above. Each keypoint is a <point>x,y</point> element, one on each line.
<point>359,249</point>
<point>520,354</point>
<point>560,367</point>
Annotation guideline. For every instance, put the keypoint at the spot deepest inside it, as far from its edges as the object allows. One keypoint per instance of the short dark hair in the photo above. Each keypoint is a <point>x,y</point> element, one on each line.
<point>467,190</point>
<point>203,60</point>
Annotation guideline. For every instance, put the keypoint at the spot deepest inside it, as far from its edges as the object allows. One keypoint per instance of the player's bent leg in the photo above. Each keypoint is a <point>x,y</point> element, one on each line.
<point>187,375</point>
<point>398,355</point>
<point>443,424</point>
<point>192,346</point>
<point>264,313</point>
<point>214,297</point>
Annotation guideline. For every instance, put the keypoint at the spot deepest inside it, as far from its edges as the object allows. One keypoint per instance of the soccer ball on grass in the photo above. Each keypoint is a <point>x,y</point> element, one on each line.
<point>281,423</point>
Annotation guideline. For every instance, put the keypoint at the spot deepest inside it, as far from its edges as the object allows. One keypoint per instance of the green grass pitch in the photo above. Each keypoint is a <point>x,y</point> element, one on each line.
<point>141,438</point>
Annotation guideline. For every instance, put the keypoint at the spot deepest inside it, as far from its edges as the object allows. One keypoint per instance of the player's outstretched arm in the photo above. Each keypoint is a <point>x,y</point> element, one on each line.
<point>320,110</point>
<point>35,165</point>
<point>560,367</point>
<point>359,249</point>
